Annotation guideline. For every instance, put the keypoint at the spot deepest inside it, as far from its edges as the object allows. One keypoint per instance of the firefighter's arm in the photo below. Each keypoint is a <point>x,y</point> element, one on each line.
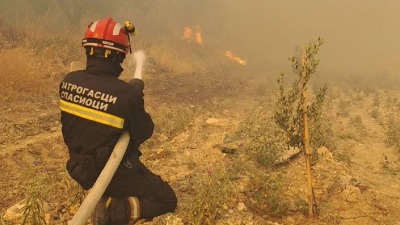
<point>141,125</point>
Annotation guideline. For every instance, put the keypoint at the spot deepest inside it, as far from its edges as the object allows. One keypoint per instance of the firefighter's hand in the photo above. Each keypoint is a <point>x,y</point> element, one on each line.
<point>137,83</point>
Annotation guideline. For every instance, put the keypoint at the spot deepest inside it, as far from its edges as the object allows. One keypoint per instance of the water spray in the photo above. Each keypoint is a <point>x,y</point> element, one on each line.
<point>139,57</point>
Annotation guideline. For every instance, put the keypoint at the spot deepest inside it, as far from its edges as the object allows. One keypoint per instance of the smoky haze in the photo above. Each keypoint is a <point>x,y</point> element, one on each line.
<point>361,36</point>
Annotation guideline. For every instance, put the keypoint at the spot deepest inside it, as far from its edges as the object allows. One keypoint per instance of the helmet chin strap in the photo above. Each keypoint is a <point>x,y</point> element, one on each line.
<point>130,46</point>
<point>111,55</point>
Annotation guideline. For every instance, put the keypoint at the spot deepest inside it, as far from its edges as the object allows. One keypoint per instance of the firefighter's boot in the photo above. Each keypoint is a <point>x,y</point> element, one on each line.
<point>124,211</point>
<point>101,215</point>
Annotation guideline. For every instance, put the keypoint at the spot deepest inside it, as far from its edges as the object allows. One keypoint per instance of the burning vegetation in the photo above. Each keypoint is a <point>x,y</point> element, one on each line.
<point>235,58</point>
<point>194,35</point>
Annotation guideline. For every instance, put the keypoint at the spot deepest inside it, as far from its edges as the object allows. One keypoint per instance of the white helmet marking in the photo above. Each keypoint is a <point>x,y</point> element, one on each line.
<point>93,26</point>
<point>117,29</point>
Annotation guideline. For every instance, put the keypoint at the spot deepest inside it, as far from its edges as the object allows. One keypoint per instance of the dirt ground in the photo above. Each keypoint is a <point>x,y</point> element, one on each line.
<point>355,183</point>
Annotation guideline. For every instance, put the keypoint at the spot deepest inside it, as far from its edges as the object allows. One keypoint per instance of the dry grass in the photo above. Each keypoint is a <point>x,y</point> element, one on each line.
<point>180,57</point>
<point>32,60</point>
<point>24,75</point>
<point>393,132</point>
<point>168,58</point>
<point>208,201</point>
<point>171,121</point>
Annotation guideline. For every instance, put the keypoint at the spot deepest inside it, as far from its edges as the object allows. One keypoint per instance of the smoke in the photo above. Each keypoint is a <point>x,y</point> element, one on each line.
<point>360,35</point>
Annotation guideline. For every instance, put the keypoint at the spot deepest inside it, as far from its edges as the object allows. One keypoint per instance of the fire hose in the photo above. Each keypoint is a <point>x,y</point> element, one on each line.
<point>94,195</point>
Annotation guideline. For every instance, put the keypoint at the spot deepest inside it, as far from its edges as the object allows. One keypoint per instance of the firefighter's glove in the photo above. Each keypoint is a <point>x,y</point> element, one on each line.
<point>137,83</point>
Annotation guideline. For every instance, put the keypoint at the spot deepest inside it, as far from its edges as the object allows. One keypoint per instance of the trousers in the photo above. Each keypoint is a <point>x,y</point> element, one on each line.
<point>134,179</point>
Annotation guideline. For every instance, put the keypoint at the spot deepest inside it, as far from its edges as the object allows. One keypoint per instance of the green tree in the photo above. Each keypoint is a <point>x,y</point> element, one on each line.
<point>288,109</point>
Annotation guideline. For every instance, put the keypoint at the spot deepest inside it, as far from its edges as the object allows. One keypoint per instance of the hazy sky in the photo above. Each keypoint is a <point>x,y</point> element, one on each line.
<point>360,35</point>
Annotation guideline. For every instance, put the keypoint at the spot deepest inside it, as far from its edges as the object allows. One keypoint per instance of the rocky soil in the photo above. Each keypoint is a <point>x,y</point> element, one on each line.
<point>355,182</point>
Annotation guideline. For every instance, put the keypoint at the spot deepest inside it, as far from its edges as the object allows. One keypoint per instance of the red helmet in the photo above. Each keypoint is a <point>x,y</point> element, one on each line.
<point>107,33</point>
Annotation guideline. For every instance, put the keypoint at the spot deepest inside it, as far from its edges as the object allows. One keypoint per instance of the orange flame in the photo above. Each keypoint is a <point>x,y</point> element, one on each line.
<point>190,36</point>
<point>199,38</point>
<point>187,33</point>
<point>235,58</point>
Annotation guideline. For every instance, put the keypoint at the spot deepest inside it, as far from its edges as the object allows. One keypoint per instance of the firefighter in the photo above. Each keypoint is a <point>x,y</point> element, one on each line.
<point>96,107</point>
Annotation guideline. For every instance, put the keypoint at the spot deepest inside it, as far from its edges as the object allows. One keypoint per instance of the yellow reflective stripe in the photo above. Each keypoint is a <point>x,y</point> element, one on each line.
<point>92,114</point>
